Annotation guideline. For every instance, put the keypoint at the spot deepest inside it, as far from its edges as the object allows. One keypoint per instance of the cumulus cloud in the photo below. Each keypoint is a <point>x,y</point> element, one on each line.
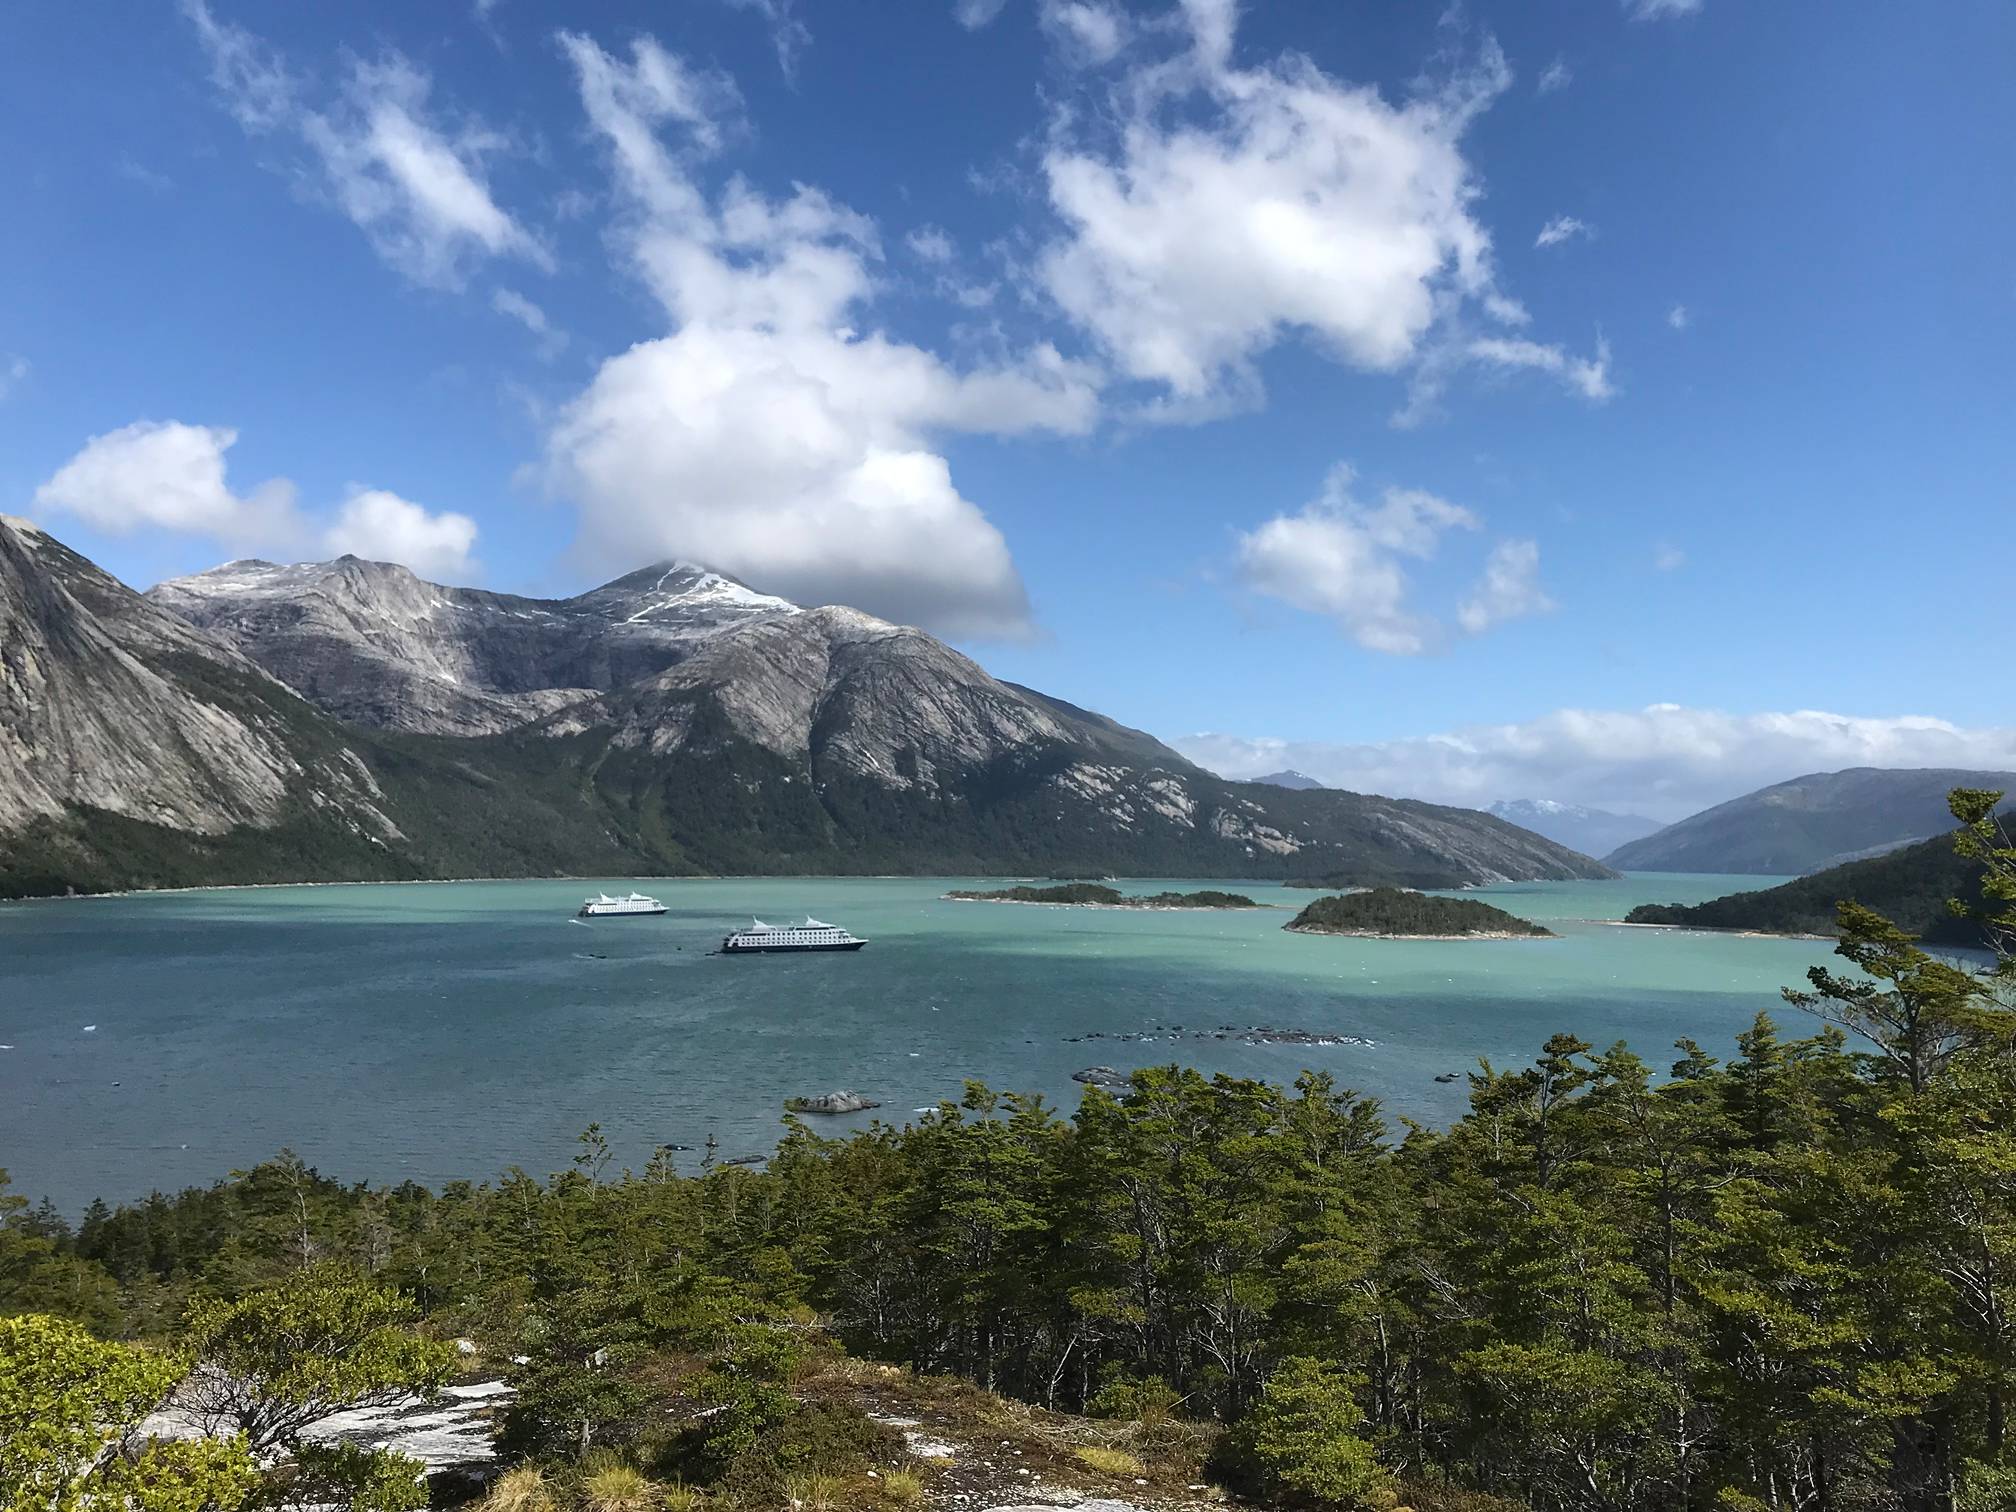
<point>1556,75</point>
<point>931,244</point>
<point>1665,761</point>
<point>1561,229</point>
<point>171,476</point>
<point>1509,589</point>
<point>1660,10</point>
<point>1678,318</point>
<point>1211,211</point>
<point>415,184</point>
<point>769,434</point>
<point>1346,558</point>
<point>382,526</point>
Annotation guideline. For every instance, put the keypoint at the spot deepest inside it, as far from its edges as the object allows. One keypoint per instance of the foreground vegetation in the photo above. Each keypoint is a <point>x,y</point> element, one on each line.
<point>1776,1282</point>
<point>1095,895</point>
<point>1391,911</point>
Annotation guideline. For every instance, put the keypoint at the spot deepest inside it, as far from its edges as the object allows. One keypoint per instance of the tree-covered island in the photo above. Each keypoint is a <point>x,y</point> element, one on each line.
<point>1395,913</point>
<point>1094,895</point>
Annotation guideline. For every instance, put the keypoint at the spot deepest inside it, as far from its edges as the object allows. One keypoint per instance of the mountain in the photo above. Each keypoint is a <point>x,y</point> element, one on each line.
<point>371,643</point>
<point>1909,885</point>
<point>731,733</point>
<point>1594,832</point>
<point>1809,823</point>
<point>119,723</point>
<point>1290,778</point>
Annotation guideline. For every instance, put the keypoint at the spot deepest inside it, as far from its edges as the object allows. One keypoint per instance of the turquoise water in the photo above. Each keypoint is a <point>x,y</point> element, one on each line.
<point>452,1029</point>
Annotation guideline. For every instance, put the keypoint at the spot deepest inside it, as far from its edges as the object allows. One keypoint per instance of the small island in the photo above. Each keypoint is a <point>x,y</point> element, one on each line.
<point>1393,913</point>
<point>1093,895</point>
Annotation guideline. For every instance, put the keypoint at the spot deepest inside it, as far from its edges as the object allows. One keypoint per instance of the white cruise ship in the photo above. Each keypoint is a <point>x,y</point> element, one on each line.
<point>764,939</point>
<point>602,906</point>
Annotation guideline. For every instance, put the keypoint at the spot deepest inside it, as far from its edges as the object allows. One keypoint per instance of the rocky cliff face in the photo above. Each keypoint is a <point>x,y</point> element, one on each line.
<point>375,645</point>
<point>109,703</point>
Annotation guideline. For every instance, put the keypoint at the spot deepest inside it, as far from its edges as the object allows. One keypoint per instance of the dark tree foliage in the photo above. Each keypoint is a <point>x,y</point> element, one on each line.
<point>1396,911</point>
<point>1082,893</point>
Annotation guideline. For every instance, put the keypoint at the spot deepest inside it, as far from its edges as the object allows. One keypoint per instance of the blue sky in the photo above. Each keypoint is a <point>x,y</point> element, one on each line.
<point>1215,368</point>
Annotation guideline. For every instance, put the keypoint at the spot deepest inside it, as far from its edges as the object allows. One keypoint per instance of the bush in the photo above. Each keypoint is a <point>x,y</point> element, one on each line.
<point>818,1439</point>
<point>1301,1445</point>
<point>1146,1401</point>
<point>1986,1488</point>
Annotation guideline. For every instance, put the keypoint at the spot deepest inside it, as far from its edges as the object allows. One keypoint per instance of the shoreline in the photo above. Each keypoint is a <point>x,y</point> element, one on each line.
<point>1723,930</point>
<point>1142,907</point>
<point>1373,934</point>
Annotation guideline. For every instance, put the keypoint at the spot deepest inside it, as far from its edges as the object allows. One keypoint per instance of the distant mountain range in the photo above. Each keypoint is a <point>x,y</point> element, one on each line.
<point>1594,832</point>
<point>348,720</point>
<point>1290,778</point>
<point>1808,824</point>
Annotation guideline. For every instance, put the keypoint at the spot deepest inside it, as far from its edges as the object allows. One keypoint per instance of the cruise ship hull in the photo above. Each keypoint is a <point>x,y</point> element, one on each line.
<point>788,949</point>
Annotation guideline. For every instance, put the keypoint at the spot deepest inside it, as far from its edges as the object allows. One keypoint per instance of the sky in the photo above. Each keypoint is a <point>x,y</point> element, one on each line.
<point>1607,402</point>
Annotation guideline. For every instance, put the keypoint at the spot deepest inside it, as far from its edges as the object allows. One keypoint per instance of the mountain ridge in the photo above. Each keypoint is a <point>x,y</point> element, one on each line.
<point>1593,831</point>
<point>770,739</point>
<point>1809,823</point>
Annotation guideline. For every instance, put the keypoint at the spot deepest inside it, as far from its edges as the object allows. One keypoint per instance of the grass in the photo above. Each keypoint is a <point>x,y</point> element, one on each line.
<point>815,1493</point>
<point>524,1489</point>
<point>903,1486</point>
<point>1108,1461</point>
<point>618,1488</point>
<point>680,1497</point>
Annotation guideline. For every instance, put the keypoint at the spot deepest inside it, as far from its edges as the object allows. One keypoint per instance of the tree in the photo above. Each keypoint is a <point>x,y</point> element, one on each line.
<point>1927,1010</point>
<point>269,1367</point>
<point>70,1413</point>
<point>1301,1444</point>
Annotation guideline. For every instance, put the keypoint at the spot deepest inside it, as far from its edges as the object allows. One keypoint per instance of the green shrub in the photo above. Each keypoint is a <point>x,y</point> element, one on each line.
<point>818,1439</point>
<point>1301,1445</point>
<point>1144,1401</point>
<point>1986,1488</point>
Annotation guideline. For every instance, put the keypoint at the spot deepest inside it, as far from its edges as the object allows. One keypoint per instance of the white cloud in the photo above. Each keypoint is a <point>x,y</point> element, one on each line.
<point>1341,557</point>
<point>768,434</point>
<point>1678,318</point>
<point>1587,376</point>
<point>383,527</point>
<point>1560,229</point>
<point>14,371</point>
<point>1290,202</point>
<point>1089,32</point>
<point>1211,211</point>
<point>1665,761</point>
<point>931,244</point>
<point>510,303</point>
<point>1667,557</point>
<point>1509,589</point>
<point>1660,10</point>
<point>974,14</point>
<point>1556,75</point>
<point>416,187</point>
<point>170,476</point>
